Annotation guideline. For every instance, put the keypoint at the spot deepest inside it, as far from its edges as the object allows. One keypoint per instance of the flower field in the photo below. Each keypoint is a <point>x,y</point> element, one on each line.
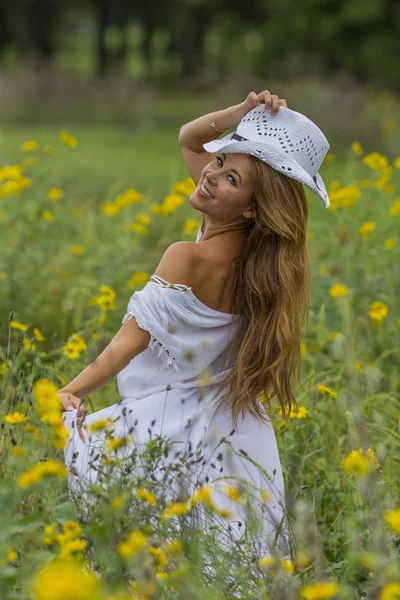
<point>71,255</point>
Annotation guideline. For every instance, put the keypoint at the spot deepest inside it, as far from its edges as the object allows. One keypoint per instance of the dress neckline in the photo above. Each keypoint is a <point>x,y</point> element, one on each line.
<point>185,288</point>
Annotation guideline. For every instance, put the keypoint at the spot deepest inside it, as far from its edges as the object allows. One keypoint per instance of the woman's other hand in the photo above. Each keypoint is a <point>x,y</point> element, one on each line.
<point>71,402</point>
<point>271,101</point>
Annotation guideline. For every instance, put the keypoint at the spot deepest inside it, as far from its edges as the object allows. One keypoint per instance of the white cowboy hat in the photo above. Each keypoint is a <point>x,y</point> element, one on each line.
<point>288,141</point>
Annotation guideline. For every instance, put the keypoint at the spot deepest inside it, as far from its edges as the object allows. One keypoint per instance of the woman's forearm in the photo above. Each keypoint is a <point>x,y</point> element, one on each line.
<point>194,134</point>
<point>110,362</point>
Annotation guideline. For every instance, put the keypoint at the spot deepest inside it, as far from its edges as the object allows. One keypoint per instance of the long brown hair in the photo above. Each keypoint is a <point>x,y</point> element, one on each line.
<point>272,293</point>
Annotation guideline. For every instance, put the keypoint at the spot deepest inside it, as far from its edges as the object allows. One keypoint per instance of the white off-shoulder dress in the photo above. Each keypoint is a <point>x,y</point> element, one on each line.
<point>171,389</point>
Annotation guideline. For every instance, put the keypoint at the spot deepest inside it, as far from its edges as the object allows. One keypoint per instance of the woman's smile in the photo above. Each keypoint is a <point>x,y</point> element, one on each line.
<point>203,191</point>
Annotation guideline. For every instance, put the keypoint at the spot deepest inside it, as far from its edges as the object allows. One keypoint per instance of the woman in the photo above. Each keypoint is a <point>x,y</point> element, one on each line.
<point>218,326</point>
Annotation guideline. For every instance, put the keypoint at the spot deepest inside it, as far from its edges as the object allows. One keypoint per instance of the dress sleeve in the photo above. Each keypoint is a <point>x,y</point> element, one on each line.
<point>148,308</point>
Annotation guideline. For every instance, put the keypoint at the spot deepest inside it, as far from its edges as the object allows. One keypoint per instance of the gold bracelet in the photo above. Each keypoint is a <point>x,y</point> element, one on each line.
<point>214,125</point>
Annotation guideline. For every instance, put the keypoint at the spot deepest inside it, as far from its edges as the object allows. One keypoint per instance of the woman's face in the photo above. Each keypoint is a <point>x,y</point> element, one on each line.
<point>227,179</point>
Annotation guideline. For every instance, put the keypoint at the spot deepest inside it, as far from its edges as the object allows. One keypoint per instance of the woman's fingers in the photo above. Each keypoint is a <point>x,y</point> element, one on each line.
<point>79,422</point>
<point>69,401</point>
<point>265,97</point>
<point>271,101</point>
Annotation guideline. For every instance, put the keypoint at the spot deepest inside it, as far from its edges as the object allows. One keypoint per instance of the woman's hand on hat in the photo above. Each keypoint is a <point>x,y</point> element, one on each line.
<point>253,100</point>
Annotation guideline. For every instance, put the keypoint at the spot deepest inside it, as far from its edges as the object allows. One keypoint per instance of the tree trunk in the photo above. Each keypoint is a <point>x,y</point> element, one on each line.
<point>102,24</point>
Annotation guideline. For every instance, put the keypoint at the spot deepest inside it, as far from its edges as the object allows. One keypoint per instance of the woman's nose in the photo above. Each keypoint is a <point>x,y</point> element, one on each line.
<point>211,176</point>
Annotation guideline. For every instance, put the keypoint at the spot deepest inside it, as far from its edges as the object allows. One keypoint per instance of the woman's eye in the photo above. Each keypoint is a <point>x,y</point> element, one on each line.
<point>220,163</point>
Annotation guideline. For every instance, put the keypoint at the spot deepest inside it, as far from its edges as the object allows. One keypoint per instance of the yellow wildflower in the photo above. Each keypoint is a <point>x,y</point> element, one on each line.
<point>108,291</point>
<point>65,580</point>
<point>18,452</point>
<point>320,591</point>
<point>59,436</point>
<point>143,218</point>
<point>19,326</point>
<point>186,187</point>
<point>157,209</point>
<point>357,148</point>
<point>72,350</point>
<point>329,158</point>
<point>171,203</point>
<point>11,172</point>
<point>114,444</point>
<point>392,517</point>
<point>338,290</point>
<point>344,196</point>
<point>395,207</point>
<point>375,161</point>
<point>146,495</point>
<point>28,345</point>
<point>265,495</point>
<point>373,458</point>
<point>326,390</point>
<point>43,469</point>
<point>162,560</point>
<point>355,463</point>
<point>25,182</point>
<point>15,418</point>
<point>138,227</point>
<point>276,563</point>
<point>11,554</point>
<point>390,243</point>
<point>133,195</point>
<point>3,368</point>
<point>191,226</point>
<point>176,508</point>
<point>302,560</point>
<point>47,216</point>
<point>117,502</point>
<point>79,340</point>
<point>10,187</point>
<point>72,548</point>
<point>377,312</point>
<point>233,492</point>
<point>296,412</point>
<point>173,546</point>
<point>45,392</point>
<point>138,278</point>
<point>110,209</point>
<point>68,139</point>
<point>51,534</point>
<point>203,494</point>
<point>55,193</point>
<point>391,591</point>
<point>38,335</point>
<point>135,541</point>
<point>366,229</point>
<point>29,146</point>
<point>99,425</point>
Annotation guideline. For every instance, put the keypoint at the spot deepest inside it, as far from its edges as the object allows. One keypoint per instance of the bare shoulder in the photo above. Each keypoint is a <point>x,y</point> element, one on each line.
<point>178,263</point>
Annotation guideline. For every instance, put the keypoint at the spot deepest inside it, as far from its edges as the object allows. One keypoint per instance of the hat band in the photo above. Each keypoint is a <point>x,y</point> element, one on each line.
<point>239,138</point>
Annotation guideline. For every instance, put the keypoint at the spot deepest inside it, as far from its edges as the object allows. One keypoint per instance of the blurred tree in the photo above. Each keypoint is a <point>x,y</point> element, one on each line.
<point>31,24</point>
<point>259,37</point>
